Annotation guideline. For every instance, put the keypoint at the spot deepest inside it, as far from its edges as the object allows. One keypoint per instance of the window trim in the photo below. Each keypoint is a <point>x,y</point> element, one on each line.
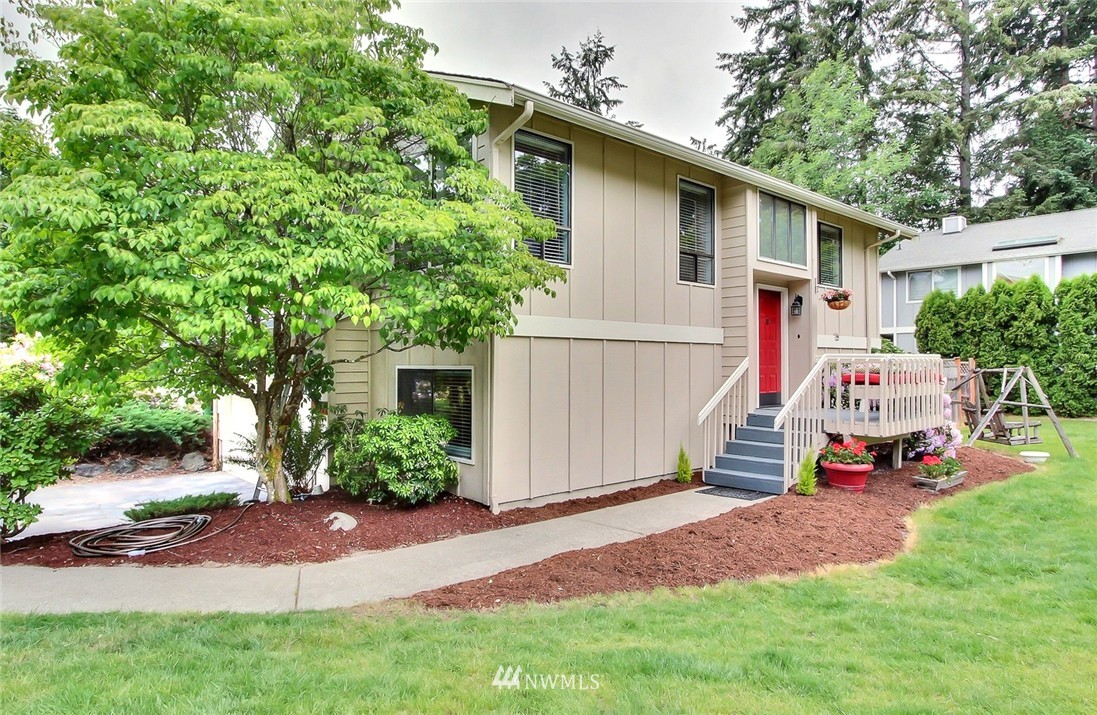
<point>808,213</point>
<point>819,253</point>
<point>678,232</point>
<point>931,288</point>
<point>471,461</point>
<point>571,185</point>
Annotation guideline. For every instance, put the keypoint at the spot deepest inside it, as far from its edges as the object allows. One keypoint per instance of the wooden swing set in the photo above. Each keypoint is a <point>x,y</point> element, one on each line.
<point>989,425</point>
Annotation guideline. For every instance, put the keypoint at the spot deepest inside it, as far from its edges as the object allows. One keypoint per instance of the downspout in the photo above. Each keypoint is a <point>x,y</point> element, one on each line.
<point>894,305</point>
<point>527,112</point>
<point>876,277</point>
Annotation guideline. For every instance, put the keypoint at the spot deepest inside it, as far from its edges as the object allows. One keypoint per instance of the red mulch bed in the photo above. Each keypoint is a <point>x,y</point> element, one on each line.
<point>296,533</point>
<point>787,535</point>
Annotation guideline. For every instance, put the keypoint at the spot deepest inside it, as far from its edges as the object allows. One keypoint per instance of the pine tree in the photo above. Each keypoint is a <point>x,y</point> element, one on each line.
<point>583,82</point>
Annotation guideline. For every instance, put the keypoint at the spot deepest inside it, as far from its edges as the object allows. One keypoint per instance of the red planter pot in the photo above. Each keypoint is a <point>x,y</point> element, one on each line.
<point>851,477</point>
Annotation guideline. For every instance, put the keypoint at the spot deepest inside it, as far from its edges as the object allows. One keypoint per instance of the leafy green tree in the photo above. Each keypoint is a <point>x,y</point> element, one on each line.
<point>583,81</point>
<point>233,178</point>
<point>1073,389</point>
<point>825,138</point>
<point>935,327</point>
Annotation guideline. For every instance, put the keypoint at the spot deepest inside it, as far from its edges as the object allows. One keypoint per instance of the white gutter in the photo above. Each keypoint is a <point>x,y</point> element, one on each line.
<point>595,122</point>
<point>506,134</point>
<point>889,239</point>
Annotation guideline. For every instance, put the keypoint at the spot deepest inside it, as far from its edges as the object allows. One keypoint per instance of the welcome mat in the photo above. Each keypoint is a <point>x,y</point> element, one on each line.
<point>733,493</point>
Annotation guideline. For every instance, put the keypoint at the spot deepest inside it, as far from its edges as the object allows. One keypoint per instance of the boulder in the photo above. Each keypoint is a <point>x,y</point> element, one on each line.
<point>125,465</point>
<point>158,464</point>
<point>88,470</point>
<point>340,521</point>
<point>193,462</point>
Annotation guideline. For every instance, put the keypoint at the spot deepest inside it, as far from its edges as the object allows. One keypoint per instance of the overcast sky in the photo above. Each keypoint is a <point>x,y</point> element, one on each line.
<point>665,51</point>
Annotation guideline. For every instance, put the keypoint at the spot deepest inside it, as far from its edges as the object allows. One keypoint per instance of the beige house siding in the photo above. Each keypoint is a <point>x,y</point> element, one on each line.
<point>574,414</point>
<point>857,327</point>
<point>347,341</point>
<point>735,280</point>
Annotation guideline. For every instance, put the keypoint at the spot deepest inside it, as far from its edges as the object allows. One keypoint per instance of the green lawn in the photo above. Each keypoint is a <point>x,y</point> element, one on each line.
<point>994,611</point>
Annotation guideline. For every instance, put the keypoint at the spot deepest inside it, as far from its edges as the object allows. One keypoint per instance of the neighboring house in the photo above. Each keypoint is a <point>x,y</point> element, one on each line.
<point>682,270</point>
<point>958,257</point>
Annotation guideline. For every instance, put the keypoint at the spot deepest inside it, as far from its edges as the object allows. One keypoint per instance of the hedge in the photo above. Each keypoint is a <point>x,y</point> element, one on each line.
<point>1023,323</point>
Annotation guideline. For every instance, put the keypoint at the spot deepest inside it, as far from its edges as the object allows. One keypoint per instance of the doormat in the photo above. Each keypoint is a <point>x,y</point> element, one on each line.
<point>733,493</point>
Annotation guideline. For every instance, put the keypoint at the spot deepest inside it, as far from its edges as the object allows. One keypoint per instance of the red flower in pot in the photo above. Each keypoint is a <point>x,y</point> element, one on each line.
<point>847,464</point>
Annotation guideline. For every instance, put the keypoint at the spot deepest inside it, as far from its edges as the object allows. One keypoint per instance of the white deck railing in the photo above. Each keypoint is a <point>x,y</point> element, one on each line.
<point>868,396</point>
<point>724,412</point>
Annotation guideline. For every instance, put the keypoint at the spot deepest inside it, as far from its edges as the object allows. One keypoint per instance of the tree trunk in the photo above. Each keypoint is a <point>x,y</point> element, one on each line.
<point>967,123</point>
<point>274,414</point>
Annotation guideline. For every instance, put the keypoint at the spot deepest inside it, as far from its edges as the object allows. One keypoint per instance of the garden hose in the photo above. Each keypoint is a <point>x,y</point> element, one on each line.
<point>145,537</point>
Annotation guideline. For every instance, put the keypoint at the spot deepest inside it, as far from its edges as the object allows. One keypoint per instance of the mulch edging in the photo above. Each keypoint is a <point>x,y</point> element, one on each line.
<point>296,533</point>
<point>786,535</point>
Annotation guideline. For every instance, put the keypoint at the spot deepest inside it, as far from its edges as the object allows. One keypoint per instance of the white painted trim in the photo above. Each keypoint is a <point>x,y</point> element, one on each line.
<point>543,326</point>
<point>959,277</point>
<point>784,337</point>
<point>809,220</point>
<point>844,342</point>
<point>715,233</point>
<point>472,391</point>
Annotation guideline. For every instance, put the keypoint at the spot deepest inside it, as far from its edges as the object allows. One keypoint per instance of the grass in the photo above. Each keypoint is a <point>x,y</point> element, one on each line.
<point>189,504</point>
<point>995,610</point>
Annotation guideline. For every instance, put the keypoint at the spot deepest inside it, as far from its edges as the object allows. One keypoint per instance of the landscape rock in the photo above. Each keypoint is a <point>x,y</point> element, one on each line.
<point>125,465</point>
<point>193,462</point>
<point>158,464</point>
<point>340,521</point>
<point>88,470</point>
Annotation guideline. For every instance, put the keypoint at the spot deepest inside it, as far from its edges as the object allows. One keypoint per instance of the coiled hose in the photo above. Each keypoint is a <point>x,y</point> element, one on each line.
<point>147,536</point>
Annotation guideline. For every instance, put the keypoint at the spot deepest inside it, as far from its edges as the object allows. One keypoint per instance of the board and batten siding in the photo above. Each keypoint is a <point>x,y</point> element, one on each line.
<point>577,414</point>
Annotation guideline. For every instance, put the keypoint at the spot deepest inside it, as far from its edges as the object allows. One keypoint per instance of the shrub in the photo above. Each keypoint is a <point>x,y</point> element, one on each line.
<point>396,458</point>
<point>805,478</point>
<point>1073,391</point>
<point>188,504</point>
<point>685,469</point>
<point>42,432</point>
<point>141,427</point>
<point>888,348</point>
<point>306,446</point>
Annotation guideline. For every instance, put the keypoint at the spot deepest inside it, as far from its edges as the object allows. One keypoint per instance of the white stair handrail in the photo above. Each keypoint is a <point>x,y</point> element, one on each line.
<point>723,391</point>
<point>807,384</point>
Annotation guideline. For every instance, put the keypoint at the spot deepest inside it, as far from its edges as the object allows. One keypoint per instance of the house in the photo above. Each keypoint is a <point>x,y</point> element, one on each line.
<point>958,257</point>
<point>690,303</point>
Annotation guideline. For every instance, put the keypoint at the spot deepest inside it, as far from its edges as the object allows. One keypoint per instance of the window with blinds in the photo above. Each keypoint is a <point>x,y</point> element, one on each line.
<point>830,255</point>
<point>782,230</point>
<point>446,393</point>
<point>696,232</point>
<point>542,175</point>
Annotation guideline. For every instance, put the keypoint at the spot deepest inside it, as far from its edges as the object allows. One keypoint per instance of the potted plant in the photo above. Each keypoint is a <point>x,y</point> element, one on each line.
<point>847,464</point>
<point>837,298</point>
<point>939,473</point>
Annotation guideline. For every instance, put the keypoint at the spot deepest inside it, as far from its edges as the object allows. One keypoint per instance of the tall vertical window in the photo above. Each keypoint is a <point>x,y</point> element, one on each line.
<point>830,255</point>
<point>542,175</point>
<point>447,393</point>
<point>696,232</point>
<point>782,230</point>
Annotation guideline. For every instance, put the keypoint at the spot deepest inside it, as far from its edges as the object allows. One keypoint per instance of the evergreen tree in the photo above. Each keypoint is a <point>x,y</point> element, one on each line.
<point>971,311</point>
<point>935,327</point>
<point>583,82</point>
<point>1073,388</point>
<point>1030,335</point>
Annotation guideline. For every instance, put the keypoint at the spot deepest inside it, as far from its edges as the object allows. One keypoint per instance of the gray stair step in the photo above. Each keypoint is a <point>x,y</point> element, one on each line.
<point>760,434</point>
<point>748,448</point>
<point>762,419</point>
<point>730,478</point>
<point>751,465</point>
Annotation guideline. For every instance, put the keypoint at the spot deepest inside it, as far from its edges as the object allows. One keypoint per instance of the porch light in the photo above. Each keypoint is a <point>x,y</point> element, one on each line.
<point>796,308</point>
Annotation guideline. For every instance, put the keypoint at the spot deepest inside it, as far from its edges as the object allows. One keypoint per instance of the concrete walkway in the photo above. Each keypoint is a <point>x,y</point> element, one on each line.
<point>82,506</point>
<point>363,578</point>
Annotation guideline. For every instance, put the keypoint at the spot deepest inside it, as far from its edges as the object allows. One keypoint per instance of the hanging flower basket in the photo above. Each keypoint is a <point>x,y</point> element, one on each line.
<point>837,298</point>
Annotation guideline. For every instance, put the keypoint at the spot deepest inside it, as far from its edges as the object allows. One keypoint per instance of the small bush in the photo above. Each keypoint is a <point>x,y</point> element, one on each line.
<point>396,458</point>
<point>805,479</point>
<point>144,428</point>
<point>685,469</point>
<point>42,432</point>
<point>306,446</point>
<point>189,504</point>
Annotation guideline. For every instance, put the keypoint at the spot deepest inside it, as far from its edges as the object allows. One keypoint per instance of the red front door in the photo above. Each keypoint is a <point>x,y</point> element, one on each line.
<point>769,347</point>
